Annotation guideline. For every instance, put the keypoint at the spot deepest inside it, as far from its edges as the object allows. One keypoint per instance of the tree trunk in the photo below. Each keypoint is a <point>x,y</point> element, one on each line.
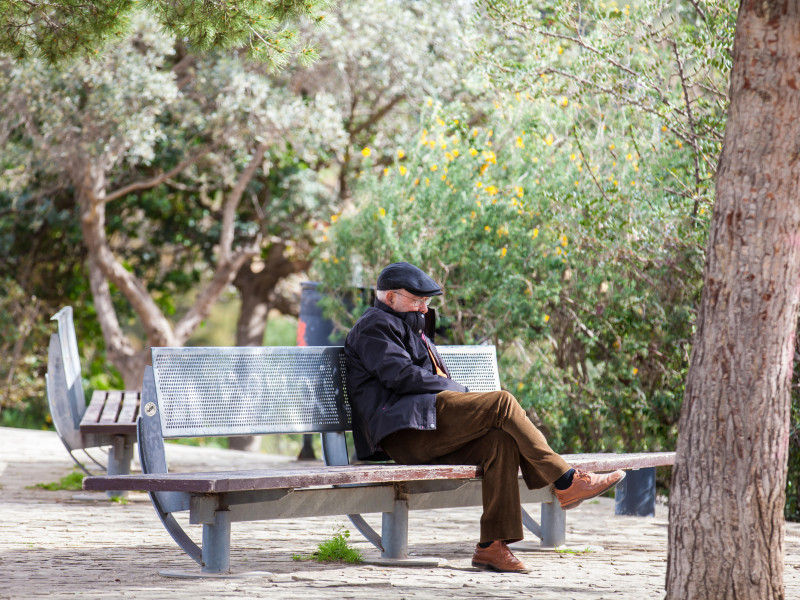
<point>728,487</point>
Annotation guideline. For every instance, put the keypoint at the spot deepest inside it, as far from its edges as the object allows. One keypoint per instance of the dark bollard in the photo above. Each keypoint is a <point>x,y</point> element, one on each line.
<point>636,494</point>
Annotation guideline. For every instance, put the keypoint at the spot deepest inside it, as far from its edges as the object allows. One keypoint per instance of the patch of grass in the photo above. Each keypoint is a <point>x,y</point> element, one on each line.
<point>118,499</point>
<point>586,550</point>
<point>336,549</point>
<point>73,482</point>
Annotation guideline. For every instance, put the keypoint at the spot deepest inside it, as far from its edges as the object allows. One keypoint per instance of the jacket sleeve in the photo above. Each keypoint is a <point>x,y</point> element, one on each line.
<point>383,355</point>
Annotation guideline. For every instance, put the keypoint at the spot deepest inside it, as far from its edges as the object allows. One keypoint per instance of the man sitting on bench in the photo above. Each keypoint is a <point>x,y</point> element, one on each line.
<point>406,406</point>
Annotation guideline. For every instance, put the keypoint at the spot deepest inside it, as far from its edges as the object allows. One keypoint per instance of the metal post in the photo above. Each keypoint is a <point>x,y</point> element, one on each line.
<point>394,531</point>
<point>636,494</point>
<point>554,525</point>
<point>217,544</point>
<point>120,455</point>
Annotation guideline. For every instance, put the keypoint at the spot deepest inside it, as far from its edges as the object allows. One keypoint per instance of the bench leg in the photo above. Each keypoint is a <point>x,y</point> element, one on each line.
<point>120,456</point>
<point>554,525</point>
<point>394,531</point>
<point>217,544</point>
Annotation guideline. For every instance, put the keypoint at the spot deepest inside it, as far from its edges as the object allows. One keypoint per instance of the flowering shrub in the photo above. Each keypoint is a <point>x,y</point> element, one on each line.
<point>566,254</point>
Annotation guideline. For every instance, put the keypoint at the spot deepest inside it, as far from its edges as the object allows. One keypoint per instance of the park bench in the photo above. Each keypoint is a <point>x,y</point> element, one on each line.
<point>198,392</point>
<point>108,420</point>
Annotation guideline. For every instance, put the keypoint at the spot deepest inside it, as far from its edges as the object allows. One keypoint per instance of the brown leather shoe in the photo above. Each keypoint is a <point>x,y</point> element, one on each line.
<point>497,557</point>
<point>587,485</point>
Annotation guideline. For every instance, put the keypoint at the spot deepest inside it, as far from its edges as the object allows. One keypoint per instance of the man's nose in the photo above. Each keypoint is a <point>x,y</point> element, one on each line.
<point>423,308</point>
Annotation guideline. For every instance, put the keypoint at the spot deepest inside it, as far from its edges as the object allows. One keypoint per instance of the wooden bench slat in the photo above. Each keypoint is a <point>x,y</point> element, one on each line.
<point>264,479</point>
<point>130,407</point>
<point>96,419</point>
<point>111,409</point>
<point>95,409</point>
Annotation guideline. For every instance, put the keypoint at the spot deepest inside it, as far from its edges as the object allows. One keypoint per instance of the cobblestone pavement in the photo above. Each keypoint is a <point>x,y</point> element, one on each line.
<point>67,544</point>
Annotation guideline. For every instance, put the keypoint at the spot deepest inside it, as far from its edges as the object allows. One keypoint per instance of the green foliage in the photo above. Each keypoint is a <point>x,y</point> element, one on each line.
<point>60,30</point>
<point>73,481</point>
<point>337,549</point>
<point>562,251</point>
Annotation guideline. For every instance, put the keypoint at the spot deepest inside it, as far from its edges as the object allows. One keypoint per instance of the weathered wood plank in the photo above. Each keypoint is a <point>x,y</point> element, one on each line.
<point>94,423</point>
<point>262,479</point>
<point>130,407</point>
<point>95,409</point>
<point>111,409</point>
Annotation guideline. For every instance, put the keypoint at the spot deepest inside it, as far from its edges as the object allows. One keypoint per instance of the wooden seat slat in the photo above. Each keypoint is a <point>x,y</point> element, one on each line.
<point>95,409</point>
<point>111,409</point>
<point>97,418</point>
<point>265,479</point>
<point>130,407</point>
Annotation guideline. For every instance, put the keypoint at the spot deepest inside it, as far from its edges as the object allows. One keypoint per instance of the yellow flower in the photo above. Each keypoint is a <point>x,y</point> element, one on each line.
<point>411,198</point>
<point>635,370</point>
<point>520,143</point>
<point>475,132</point>
<point>478,184</point>
<point>549,139</point>
<point>472,152</point>
<point>427,181</point>
<point>564,241</point>
<point>382,212</point>
<point>416,181</point>
<point>492,190</point>
<point>334,218</point>
<point>366,152</point>
<point>560,50</point>
<point>611,146</point>
<point>534,160</point>
<point>430,102</point>
<point>629,156</point>
<point>434,167</point>
<point>444,177</point>
<point>402,170</point>
<point>663,128</point>
<point>478,202</point>
<point>546,318</point>
<point>572,156</point>
<point>431,144</point>
<point>386,171</point>
<point>487,228</point>
<point>401,153</point>
<point>564,101</point>
<point>503,252</point>
<point>535,233</point>
<point>473,214</point>
<point>444,145</point>
<point>439,122</point>
<point>448,156</point>
<point>455,153</point>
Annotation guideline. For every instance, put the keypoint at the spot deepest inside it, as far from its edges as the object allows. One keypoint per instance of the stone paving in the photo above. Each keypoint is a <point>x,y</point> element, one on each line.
<point>68,544</point>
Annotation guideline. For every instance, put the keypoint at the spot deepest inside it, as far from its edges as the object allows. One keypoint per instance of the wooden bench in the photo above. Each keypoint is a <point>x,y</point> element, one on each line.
<point>108,420</point>
<point>196,392</point>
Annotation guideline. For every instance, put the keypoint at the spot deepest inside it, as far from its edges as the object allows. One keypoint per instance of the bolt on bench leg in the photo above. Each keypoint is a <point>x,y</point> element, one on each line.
<point>554,525</point>
<point>217,544</point>
<point>120,455</point>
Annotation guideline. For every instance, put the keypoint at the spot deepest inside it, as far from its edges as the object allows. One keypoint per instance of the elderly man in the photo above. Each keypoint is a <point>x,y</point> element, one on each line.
<point>406,407</point>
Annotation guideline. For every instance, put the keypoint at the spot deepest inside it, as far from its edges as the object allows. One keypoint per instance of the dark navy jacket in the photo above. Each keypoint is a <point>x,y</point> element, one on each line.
<point>391,380</point>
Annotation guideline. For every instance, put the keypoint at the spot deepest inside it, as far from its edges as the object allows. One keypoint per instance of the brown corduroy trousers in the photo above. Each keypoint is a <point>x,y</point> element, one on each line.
<point>490,430</point>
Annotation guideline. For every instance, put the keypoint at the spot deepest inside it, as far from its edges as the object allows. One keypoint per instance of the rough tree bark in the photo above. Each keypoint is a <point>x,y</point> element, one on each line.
<point>104,268</point>
<point>728,488</point>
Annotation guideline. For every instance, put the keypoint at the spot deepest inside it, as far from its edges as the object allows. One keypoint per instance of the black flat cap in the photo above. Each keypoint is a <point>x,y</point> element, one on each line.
<point>404,276</point>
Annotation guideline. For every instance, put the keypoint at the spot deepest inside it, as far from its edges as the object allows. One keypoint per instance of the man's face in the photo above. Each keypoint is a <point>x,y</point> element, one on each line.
<point>405,301</point>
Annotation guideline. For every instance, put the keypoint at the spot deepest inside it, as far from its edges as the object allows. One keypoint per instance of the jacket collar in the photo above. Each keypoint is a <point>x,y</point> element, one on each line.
<point>415,320</point>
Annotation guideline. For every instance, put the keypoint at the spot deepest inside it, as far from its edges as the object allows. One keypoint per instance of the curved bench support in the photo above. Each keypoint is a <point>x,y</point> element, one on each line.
<point>154,460</point>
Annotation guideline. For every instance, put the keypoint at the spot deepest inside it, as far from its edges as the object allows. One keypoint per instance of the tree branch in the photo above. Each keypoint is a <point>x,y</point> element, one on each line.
<point>155,181</point>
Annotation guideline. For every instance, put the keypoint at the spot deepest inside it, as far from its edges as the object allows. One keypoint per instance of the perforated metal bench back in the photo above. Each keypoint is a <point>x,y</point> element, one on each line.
<point>260,390</point>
